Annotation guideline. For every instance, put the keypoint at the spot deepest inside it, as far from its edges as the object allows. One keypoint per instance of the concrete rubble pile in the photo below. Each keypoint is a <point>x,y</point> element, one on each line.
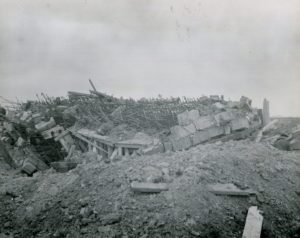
<point>229,119</point>
<point>206,119</point>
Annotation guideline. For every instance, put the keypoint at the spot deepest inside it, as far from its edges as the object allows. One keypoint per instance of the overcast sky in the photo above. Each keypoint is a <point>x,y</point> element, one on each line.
<point>142,48</point>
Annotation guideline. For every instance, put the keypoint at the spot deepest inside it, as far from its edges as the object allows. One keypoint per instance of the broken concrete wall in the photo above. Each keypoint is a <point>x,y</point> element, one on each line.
<point>227,118</point>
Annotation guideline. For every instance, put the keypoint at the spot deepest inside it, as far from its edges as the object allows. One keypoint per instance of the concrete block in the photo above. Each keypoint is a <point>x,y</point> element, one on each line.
<point>37,162</point>
<point>190,128</point>
<point>63,166</point>
<point>149,187</point>
<point>205,122</point>
<point>295,144</point>
<point>227,130</point>
<point>215,132</point>
<point>43,126</point>
<point>219,105</point>
<point>253,223</point>
<point>179,132</point>
<point>183,143</point>
<point>193,115</point>
<point>224,117</point>
<point>28,168</point>
<point>168,146</point>
<point>183,118</point>
<point>200,137</point>
<point>239,124</point>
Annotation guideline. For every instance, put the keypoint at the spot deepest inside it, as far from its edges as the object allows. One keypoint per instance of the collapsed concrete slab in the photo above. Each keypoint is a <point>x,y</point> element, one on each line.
<point>253,224</point>
<point>205,122</point>
<point>239,124</point>
<point>149,187</point>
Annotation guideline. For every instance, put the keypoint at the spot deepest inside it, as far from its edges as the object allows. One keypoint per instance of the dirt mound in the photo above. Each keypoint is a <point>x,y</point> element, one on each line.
<point>95,199</point>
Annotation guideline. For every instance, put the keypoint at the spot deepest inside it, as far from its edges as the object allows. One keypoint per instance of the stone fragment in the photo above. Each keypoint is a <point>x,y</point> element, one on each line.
<point>295,144</point>
<point>190,128</point>
<point>229,189</point>
<point>205,122</point>
<point>183,143</point>
<point>183,118</point>
<point>168,146</point>
<point>200,137</point>
<point>28,167</point>
<point>179,132</point>
<point>111,219</point>
<point>63,166</point>
<point>253,224</point>
<point>215,132</point>
<point>149,187</point>
<point>224,117</point>
<point>193,115</point>
<point>43,126</point>
<point>239,124</point>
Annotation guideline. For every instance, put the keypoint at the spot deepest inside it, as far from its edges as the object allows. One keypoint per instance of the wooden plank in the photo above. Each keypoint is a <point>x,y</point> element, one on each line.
<point>149,187</point>
<point>90,143</point>
<point>253,224</point>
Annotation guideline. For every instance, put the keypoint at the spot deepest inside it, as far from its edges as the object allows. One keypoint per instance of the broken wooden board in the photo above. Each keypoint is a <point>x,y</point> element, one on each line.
<point>148,187</point>
<point>229,189</point>
<point>253,224</point>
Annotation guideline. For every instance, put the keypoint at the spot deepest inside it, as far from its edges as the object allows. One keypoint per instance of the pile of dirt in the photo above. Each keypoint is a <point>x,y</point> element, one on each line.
<point>95,198</point>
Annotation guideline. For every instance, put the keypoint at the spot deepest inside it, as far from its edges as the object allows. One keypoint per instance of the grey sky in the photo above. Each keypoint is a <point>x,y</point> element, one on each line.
<point>137,48</point>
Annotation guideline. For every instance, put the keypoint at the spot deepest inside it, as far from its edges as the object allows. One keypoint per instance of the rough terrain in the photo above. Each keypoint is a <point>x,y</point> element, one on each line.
<point>95,199</point>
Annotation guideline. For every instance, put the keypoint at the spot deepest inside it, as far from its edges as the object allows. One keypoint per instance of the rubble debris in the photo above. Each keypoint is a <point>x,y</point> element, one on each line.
<point>63,166</point>
<point>205,122</point>
<point>253,223</point>
<point>43,126</point>
<point>53,132</point>
<point>149,187</point>
<point>28,167</point>
<point>239,124</point>
<point>229,189</point>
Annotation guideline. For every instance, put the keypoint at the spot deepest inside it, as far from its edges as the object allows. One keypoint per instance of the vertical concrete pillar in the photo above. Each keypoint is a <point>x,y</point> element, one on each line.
<point>266,112</point>
<point>109,150</point>
<point>120,151</point>
<point>126,152</point>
